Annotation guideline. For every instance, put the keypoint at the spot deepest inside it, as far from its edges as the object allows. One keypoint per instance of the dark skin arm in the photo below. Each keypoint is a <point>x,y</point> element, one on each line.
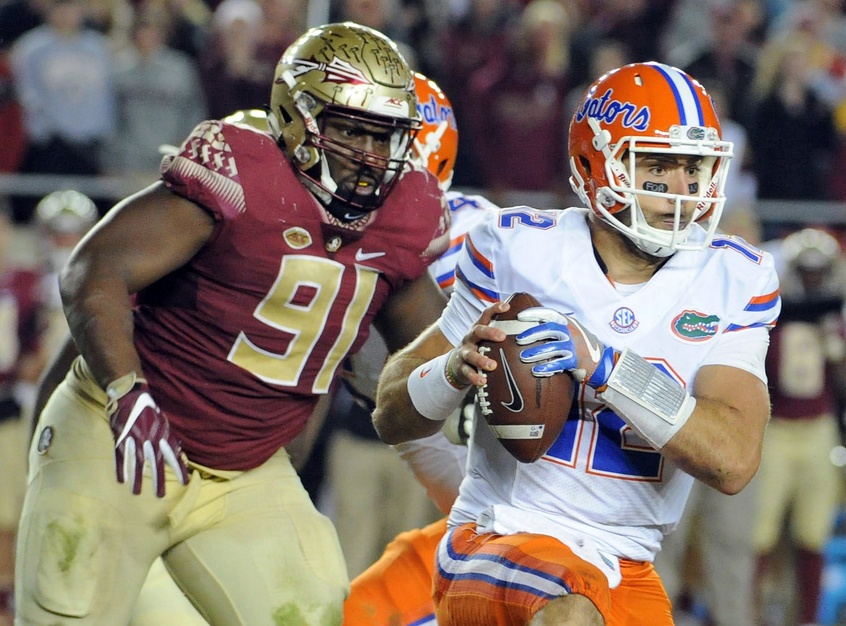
<point>409,311</point>
<point>142,239</point>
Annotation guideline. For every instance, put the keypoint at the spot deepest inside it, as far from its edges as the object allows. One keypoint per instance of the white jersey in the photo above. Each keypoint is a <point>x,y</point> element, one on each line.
<point>465,211</point>
<point>599,479</point>
<point>437,463</point>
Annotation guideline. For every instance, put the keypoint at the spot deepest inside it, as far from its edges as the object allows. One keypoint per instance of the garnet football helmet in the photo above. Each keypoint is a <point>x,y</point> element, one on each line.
<point>351,72</point>
<point>436,145</point>
<point>648,108</point>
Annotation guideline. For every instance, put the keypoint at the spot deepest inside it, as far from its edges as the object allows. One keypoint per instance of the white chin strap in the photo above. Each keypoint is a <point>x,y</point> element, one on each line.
<point>654,248</point>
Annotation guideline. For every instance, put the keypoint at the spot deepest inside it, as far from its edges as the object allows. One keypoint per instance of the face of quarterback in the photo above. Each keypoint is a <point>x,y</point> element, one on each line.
<point>667,173</point>
<point>359,161</point>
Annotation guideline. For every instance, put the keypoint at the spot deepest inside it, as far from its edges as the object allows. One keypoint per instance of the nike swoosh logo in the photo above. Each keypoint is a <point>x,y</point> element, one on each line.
<point>592,348</point>
<point>515,405</point>
<point>425,372</point>
<point>361,255</point>
<point>145,401</point>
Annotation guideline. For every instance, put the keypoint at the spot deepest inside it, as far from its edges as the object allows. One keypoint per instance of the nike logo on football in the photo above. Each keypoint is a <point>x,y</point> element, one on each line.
<point>361,255</point>
<point>515,405</point>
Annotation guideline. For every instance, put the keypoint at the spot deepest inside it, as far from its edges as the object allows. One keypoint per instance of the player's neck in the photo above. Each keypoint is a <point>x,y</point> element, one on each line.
<point>621,261</point>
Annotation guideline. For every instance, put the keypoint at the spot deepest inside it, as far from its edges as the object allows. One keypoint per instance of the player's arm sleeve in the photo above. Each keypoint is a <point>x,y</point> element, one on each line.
<point>744,339</point>
<point>204,171</point>
<point>475,281</point>
<point>438,465</point>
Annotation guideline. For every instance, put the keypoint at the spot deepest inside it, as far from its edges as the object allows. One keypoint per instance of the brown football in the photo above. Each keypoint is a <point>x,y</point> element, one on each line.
<point>524,412</point>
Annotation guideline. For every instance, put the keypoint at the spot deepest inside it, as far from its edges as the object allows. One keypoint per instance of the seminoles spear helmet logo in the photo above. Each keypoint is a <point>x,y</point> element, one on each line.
<point>336,71</point>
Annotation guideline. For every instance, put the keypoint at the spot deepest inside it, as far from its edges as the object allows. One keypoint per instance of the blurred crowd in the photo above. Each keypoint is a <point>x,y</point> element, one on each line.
<point>97,87</point>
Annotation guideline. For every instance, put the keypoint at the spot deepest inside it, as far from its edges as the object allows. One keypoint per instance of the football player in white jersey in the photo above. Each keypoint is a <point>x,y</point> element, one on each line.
<point>397,589</point>
<point>664,325</point>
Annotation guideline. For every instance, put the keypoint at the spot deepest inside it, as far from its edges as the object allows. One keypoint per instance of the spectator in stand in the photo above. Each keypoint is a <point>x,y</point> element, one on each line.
<point>232,75</point>
<point>282,22</point>
<point>790,119</point>
<point>519,105</point>
<point>806,368</point>
<point>63,73</point>
<point>636,23</point>
<point>190,22</point>
<point>240,59</point>
<point>159,97</point>
<point>475,36</point>
<point>729,57</point>
<point>20,366</point>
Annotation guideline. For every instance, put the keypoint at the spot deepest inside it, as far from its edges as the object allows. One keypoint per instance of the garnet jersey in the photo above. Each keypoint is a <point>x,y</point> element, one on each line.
<point>238,344</point>
<point>600,479</point>
<point>801,355</point>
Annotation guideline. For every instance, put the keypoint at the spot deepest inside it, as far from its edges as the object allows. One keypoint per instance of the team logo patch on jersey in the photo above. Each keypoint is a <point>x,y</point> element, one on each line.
<point>45,440</point>
<point>334,244</point>
<point>695,326</point>
<point>298,238</point>
<point>624,320</point>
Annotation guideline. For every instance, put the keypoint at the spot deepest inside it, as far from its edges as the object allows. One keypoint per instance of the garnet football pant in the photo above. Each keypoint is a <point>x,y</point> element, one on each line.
<point>247,547</point>
<point>496,580</point>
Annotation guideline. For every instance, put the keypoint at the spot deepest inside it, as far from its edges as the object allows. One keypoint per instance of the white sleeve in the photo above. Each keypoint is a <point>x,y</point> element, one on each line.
<point>438,465</point>
<point>746,350</point>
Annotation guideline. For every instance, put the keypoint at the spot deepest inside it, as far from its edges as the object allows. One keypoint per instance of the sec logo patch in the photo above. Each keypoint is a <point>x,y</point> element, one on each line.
<point>624,320</point>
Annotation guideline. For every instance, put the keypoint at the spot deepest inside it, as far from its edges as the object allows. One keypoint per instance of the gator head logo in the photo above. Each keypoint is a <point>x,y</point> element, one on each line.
<point>695,326</point>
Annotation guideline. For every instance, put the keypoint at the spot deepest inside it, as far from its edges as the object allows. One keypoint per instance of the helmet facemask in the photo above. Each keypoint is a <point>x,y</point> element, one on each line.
<point>620,193</point>
<point>367,169</point>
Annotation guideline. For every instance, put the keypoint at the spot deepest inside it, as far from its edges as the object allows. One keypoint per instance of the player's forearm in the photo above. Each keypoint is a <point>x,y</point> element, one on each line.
<point>395,418</point>
<point>97,307</point>
<point>718,445</point>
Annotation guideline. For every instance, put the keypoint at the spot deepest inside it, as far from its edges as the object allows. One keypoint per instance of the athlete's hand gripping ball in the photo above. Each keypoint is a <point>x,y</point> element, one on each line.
<point>142,435</point>
<point>567,347</point>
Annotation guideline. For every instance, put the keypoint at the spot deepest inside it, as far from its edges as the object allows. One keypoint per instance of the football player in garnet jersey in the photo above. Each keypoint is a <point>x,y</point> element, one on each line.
<point>212,311</point>
<point>665,327</point>
<point>397,589</point>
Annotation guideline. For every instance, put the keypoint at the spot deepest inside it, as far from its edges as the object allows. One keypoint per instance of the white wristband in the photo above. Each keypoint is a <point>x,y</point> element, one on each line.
<point>431,393</point>
<point>651,402</point>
